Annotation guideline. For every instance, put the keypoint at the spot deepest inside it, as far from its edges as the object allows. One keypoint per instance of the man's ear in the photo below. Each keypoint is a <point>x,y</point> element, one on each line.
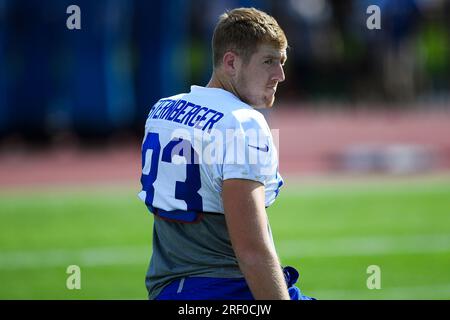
<point>230,63</point>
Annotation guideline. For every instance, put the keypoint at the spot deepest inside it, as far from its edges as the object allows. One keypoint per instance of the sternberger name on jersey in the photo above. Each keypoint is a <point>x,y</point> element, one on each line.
<point>187,113</point>
<point>193,142</point>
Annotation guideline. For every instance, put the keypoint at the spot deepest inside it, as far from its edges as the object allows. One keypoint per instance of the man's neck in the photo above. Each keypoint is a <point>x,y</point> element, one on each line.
<point>221,82</point>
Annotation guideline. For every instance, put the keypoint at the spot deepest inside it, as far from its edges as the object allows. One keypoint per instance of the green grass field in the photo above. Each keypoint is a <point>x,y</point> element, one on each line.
<point>331,233</point>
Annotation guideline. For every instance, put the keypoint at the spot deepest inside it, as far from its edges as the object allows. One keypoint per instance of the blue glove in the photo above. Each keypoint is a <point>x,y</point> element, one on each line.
<point>291,276</point>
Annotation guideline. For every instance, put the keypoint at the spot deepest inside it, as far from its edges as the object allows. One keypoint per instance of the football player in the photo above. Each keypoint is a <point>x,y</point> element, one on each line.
<point>210,169</point>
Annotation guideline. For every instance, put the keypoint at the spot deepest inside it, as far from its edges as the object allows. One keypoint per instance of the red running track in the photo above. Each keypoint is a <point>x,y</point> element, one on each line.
<point>307,143</point>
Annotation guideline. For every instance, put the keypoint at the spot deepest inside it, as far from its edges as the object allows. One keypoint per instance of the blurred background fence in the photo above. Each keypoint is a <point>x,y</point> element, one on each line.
<point>58,84</point>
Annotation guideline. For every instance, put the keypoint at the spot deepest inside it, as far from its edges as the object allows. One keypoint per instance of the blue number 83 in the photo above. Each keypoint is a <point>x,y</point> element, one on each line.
<point>184,190</point>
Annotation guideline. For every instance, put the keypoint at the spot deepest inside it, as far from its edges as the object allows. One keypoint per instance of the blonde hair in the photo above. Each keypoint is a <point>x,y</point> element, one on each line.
<point>242,30</point>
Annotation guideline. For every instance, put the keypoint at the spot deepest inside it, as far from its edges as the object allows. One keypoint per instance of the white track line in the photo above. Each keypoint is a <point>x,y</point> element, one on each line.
<point>135,255</point>
<point>365,246</point>
<point>106,256</point>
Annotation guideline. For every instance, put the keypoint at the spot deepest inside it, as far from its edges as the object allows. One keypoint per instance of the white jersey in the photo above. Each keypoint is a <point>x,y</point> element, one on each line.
<point>193,142</point>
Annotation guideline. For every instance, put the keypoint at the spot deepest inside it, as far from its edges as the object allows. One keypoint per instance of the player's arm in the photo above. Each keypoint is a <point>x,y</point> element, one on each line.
<point>246,219</point>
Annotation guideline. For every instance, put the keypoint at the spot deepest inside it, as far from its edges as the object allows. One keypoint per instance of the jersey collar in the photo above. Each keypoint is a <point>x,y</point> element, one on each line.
<point>215,91</point>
